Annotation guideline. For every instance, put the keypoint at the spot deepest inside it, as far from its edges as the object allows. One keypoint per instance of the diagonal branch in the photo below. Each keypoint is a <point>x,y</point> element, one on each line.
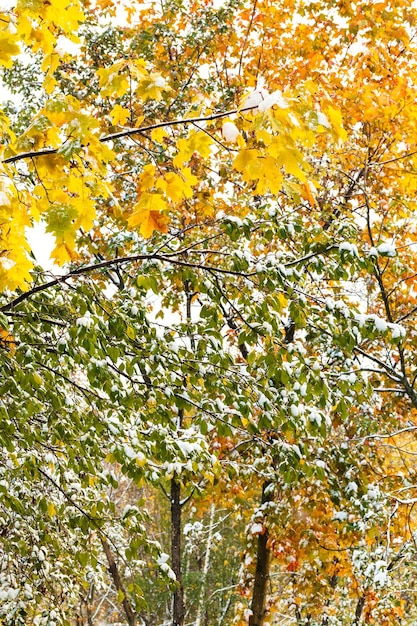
<point>116,262</point>
<point>130,132</point>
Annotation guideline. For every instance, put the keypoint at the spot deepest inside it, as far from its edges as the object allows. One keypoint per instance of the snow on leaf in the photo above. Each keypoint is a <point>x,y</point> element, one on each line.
<point>386,249</point>
<point>257,529</point>
<point>253,100</point>
<point>230,132</point>
<point>274,99</point>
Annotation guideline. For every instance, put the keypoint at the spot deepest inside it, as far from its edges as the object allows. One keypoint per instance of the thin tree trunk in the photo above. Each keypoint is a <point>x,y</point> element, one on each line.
<point>358,612</point>
<point>262,568</point>
<point>201,600</point>
<point>178,609</point>
<point>115,574</point>
<point>89,600</point>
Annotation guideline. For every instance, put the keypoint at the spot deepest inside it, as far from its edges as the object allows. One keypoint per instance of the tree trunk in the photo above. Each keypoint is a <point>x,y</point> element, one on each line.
<point>178,609</point>
<point>201,600</point>
<point>358,612</point>
<point>262,568</point>
<point>115,574</point>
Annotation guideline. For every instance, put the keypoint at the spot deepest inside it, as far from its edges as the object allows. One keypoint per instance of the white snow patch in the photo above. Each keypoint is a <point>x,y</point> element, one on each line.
<point>387,249</point>
<point>230,132</point>
<point>273,99</point>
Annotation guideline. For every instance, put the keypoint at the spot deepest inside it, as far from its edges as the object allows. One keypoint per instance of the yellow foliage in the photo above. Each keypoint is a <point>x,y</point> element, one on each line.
<point>147,214</point>
<point>9,47</point>
<point>119,115</point>
<point>196,142</point>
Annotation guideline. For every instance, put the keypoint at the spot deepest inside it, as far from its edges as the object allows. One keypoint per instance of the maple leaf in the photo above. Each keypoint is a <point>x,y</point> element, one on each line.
<point>9,48</point>
<point>152,87</point>
<point>149,221</point>
<point>119,115</point>
<point>112,81</point>
<point>63,253</point>
<point>147,214</point>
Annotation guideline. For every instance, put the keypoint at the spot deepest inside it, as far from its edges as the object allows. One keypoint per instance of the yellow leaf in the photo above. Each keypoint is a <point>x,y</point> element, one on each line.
<point>148,221</point>
<point>111,82</point>
<point>146,180</point>
<point>86,210</point>
<point>152,87</point>
<point>264,169</point>
<point>307,194</point>
<point>177,187</point>
<point>244,159</point>
<point>147,214</point>
<point>291,159</point>
<point>197,141</point>
<point>335,118</point>
<point>49,81</point>
<point>130,332</point>
<point>119,115</point>
<point>37,379</point>
<point>62,253</point>
<point>64,15</point>
<point>282,299</point>
<point>8,48</point>
<point>7,341</point>
<point>158,134</point>
<point>51,509</point>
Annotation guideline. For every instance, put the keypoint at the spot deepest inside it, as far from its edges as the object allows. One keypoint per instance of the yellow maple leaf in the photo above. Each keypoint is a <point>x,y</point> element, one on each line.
<point>158,134</point>
<point>86,212</point>
<point>147,214</point>
<point>245,159</point>
<point>291,159</point>
<point>178,186</point>
<point>197,141</point>
<point>335,118</point>
<point>119,115</point>
<point>8,48</point>
<point>62,254</point>
<point>49,65</point>
<point>149,221</point>
<point>111,81</point>
<point>152,87</point>
<point>64,15</point>
<point>146,180</point>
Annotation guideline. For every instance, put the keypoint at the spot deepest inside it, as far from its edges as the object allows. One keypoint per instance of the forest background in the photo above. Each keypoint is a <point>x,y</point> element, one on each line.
<point>208,404</point>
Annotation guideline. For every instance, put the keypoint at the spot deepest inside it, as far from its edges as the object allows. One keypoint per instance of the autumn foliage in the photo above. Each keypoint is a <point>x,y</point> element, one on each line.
<point>208,395</point>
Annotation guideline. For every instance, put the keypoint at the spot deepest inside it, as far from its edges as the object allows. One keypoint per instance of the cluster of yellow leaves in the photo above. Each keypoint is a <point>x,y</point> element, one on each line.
<point>70,181</point>
<point>9,41</point>
<point>154,192</point>
<point>270,149</point>
<point>14,261</point>
<point>118,78</point>
<point>38,24</point>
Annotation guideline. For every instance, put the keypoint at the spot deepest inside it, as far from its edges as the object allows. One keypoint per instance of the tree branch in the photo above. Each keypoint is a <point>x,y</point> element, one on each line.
<point>86,269</point>
<point>118,583</point>
<point>130,132</point>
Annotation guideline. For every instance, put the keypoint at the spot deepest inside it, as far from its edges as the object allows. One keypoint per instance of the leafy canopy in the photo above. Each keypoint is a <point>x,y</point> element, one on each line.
<point>231,192</point>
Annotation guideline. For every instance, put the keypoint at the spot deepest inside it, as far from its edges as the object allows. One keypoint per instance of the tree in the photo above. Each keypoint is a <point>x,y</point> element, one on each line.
<point>235,229</point>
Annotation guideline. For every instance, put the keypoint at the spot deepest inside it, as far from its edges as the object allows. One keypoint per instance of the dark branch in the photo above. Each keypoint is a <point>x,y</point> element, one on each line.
<point>130,132</point>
